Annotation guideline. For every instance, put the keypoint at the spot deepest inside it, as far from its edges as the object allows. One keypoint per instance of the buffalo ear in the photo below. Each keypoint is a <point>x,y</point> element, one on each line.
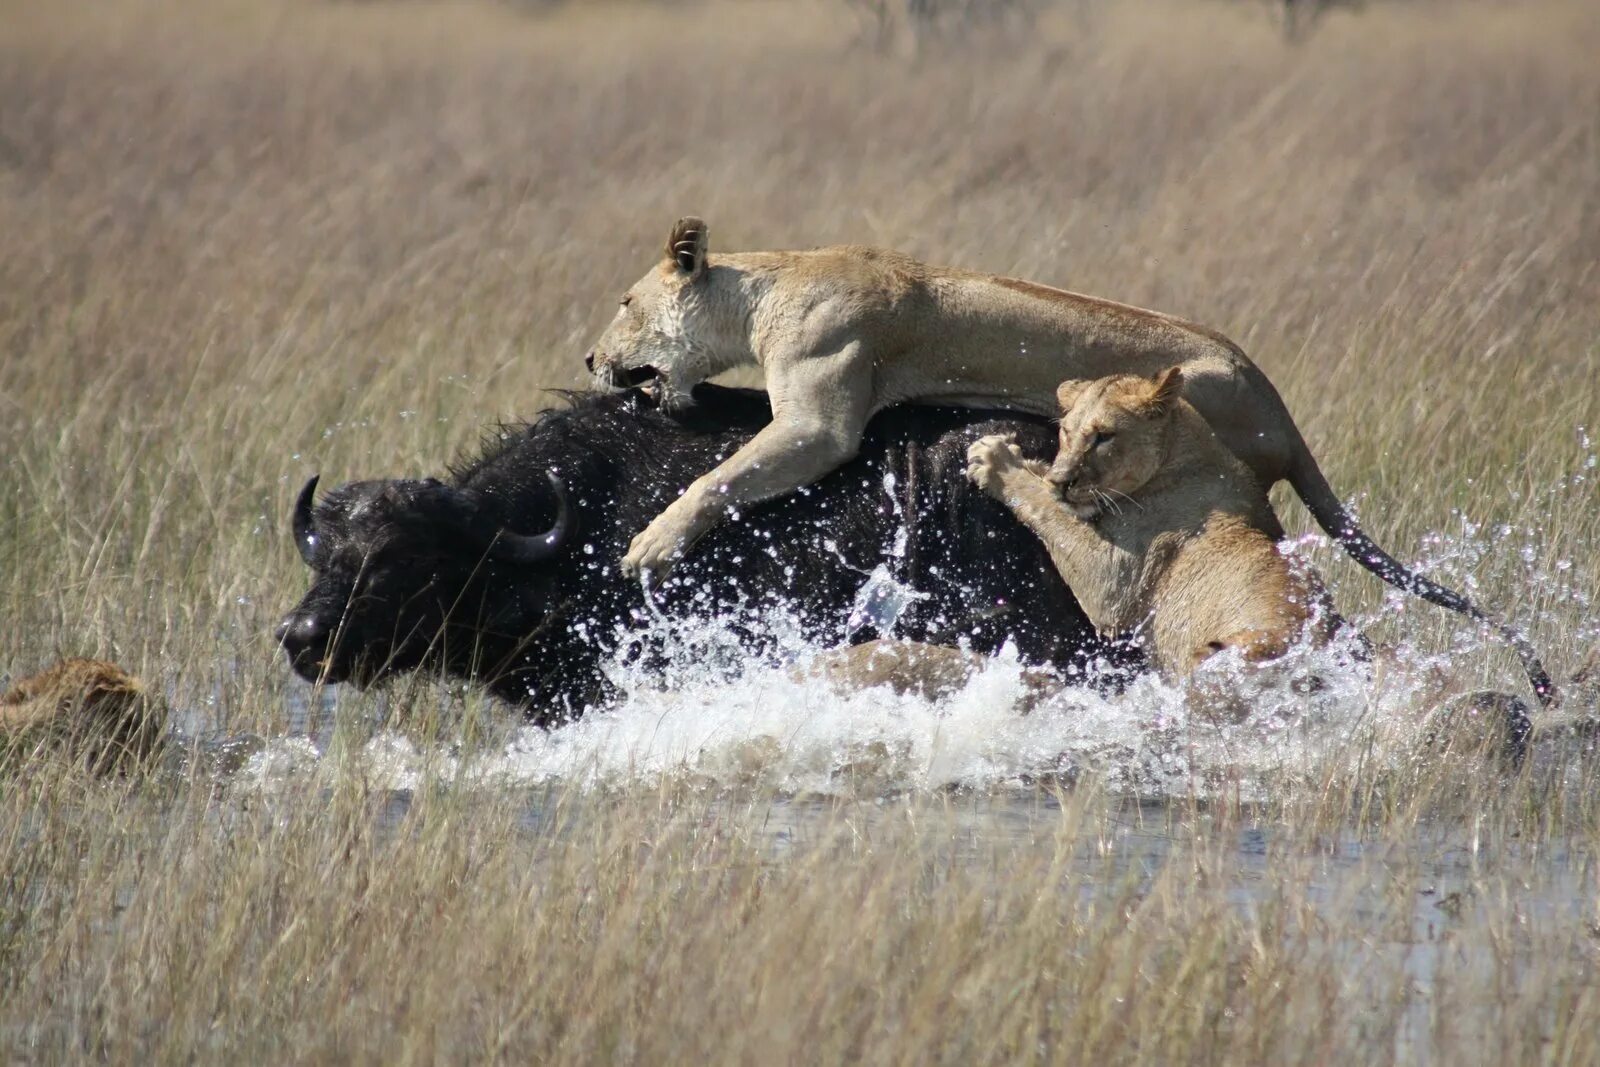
<point>686,246</point>
<point>1068,392</point>
<point>1164,390</point>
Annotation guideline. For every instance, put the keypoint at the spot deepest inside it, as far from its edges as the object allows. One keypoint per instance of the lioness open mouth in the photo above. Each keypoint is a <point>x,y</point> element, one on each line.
<point>633,377</point>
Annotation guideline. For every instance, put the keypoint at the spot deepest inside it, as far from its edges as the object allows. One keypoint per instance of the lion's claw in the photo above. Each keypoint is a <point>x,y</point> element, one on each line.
<point>988,457</point>
<point>651,554</point>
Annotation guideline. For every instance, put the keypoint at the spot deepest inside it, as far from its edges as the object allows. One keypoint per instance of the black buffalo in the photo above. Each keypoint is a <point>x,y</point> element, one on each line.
<point>507,571</point>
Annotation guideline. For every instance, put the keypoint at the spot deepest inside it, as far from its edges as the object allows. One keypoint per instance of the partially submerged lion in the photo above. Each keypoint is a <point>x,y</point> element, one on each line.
<point>84,710</point>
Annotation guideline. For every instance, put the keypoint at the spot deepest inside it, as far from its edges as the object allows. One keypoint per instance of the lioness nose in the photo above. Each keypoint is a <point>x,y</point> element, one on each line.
<point>588,361</point>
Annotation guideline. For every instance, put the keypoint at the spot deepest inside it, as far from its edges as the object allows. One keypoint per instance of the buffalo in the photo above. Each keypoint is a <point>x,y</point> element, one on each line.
<point>507,571</point>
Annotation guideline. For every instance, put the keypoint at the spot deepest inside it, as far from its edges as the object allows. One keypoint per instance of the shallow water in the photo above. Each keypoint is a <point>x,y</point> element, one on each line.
<point>1417,907</point>
<point>789,761</point>
<point>719,716</point>
<point>787,758</point>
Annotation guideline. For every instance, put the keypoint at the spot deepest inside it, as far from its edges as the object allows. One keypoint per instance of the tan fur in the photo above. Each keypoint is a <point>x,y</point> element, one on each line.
<point>85,709</point>
<point>842,333</point>
<point>931,672</point>
<point>1157,528</point>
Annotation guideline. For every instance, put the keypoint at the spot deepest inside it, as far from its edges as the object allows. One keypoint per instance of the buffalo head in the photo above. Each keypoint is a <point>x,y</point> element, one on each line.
<point>400,566</point>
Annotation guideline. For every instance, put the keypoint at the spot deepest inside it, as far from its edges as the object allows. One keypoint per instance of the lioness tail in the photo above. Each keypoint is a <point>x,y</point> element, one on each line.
<point>1308,481</point>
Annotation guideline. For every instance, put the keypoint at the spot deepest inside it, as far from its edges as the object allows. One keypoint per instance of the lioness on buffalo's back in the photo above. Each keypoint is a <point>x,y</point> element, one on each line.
<point>841,333</point>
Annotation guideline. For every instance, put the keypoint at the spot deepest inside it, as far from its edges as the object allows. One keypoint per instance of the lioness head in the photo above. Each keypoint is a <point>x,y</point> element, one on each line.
<point>675,325</point>
<point>1114,434</point>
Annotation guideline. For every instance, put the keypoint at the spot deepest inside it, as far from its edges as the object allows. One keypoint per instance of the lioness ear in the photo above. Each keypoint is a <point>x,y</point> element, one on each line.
<point>1068,392</point>
<point>1164,390</point>
<point>686,245</point>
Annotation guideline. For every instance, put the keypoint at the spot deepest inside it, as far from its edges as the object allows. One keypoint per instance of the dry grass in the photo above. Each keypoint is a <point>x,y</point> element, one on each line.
<point>347,924</point>
<point>246,240</point>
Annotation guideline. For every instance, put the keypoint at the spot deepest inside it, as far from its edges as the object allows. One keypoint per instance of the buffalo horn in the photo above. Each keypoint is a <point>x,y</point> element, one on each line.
<point>304,533</point>
<point>536,548</point>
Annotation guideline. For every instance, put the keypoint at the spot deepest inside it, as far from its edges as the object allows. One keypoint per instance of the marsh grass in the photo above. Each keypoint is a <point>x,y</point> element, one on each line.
<point>244,241</point>
<point>342,923</point>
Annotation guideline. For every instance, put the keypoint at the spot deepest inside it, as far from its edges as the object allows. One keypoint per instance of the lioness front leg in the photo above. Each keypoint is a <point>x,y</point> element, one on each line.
<point>997,466</point>
<point>819,410</point>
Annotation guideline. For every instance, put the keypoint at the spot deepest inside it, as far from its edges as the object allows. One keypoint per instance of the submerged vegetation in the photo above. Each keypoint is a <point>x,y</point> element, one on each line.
<point>243,242</point>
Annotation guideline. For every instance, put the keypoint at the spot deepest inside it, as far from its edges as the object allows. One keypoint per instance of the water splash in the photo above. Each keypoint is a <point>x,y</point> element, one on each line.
<point>716,716</point>
<point>880,602</point>
<point>695,703</point>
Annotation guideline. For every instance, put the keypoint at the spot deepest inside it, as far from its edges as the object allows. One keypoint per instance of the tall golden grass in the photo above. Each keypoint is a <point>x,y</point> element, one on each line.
<point>242,241</point>
<point>668,928</point>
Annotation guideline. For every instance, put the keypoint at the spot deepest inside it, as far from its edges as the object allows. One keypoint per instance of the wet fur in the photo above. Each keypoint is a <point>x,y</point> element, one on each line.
<point>87,710</point>
<point>1185,551</point>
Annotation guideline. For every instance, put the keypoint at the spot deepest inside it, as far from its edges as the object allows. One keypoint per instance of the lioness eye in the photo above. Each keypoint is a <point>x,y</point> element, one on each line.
<point>1102,437</point>
<point>627,300</point>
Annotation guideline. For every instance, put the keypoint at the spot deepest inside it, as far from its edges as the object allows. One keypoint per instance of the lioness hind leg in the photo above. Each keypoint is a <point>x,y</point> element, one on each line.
<point>911,668</point>
<point>907,667</point>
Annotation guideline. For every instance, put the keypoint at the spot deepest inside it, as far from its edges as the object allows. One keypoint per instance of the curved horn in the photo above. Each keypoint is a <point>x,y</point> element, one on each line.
<point>536,548</point>
<point>305,534</point>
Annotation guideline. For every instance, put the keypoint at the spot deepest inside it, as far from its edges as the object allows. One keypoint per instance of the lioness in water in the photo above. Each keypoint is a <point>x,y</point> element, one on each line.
<point>844,332</point>
<point>87,709</point>
<point>1156,527</point>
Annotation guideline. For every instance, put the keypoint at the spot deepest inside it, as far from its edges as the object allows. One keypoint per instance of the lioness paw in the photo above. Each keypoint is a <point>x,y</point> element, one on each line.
<point>652,553</point>
<point>989,457</point>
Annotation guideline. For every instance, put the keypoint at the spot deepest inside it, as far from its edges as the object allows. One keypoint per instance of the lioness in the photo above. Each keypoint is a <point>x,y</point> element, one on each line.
<point>1156,527</point>
<point>843,332</point>
<point>87,708</point>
